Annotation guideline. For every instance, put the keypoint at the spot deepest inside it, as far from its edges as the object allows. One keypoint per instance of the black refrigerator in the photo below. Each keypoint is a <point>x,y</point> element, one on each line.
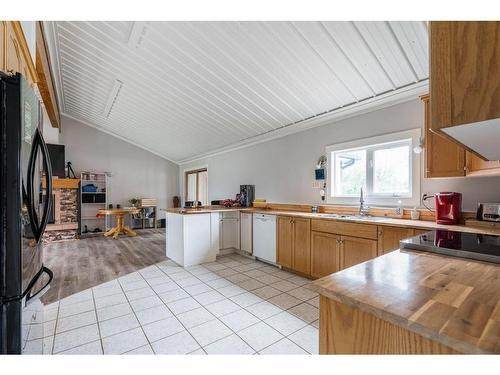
<point>24,163</point>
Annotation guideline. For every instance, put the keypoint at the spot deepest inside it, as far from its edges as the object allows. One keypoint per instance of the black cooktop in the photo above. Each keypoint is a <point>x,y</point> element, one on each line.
<point>459,244</point>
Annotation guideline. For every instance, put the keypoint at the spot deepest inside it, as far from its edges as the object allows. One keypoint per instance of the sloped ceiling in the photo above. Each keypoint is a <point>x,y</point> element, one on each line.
<point>183,89</point>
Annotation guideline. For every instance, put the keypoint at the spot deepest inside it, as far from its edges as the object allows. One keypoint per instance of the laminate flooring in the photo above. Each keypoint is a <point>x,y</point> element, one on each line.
<point>85,263</point>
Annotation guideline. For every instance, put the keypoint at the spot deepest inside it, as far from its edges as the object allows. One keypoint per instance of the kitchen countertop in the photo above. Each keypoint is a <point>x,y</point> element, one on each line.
<point>453,301</point>
<point>419,224</point>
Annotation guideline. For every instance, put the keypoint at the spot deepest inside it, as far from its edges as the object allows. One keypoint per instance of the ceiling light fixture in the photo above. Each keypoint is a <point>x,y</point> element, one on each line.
<point>112,97</point>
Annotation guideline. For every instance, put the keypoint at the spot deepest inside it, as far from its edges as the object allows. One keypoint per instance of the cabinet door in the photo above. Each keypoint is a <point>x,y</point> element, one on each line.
<point>443,157</point>
<point>389,237</point>
<point>479,167</point>
<point>246,232</point>
<point>284,239</point>
<point>464,71</point>
<point>13,57</point>
<point>301,260</point>
<point>324,254</point>
<point>355,250</point>
<point>230,230</point>
<point>2,44</point>
<point>417,232</point>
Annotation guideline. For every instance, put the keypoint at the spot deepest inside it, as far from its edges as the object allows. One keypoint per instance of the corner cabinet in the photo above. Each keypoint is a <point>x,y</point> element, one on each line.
<point>354,250</point>
<point>443,157</point>
<point>446,158</point>
<point>389,237</point>
<point>294,244</point>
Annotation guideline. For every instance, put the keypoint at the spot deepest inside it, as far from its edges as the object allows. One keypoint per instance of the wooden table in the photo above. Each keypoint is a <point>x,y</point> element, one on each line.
<point>120,227</point>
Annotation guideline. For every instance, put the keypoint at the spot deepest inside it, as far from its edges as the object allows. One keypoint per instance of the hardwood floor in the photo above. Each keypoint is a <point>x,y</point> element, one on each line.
<point>81,264</point>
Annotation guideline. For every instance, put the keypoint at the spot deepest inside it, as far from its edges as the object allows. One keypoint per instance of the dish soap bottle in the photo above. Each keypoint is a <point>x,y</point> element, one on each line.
<point>399,209</point>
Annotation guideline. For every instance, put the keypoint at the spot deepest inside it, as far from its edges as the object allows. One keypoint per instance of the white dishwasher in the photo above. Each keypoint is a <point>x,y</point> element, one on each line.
<point>264,237</point>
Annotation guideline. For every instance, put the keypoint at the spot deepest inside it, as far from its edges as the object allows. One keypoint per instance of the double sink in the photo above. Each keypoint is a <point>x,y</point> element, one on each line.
<point>352,217</point>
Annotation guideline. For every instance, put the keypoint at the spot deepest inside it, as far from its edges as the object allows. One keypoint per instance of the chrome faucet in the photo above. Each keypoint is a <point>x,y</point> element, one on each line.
<point>363,210</point>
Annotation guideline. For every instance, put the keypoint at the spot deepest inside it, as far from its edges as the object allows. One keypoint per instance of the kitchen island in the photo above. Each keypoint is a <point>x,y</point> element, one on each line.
<point>408,302</point>
<point>193,234</point>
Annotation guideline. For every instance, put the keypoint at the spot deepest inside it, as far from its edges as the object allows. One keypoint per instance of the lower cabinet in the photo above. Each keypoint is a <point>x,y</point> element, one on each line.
<point>324,254</point>
<point>301,255</point>
<point>284,246</point>
<point>354,250</point>
<point>389,237</point>
<point>230,230</point>
<point>294,244</point>
<point>246,232</point>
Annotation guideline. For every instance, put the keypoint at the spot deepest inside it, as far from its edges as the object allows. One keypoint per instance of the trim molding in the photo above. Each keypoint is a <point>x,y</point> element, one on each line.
<point>389,99</point>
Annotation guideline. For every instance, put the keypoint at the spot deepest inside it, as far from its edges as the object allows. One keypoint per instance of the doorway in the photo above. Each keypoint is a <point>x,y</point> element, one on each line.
<point>196,186</point>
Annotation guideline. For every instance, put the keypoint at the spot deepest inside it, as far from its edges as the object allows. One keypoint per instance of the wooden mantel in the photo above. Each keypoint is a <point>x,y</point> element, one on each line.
<point>64,183</point>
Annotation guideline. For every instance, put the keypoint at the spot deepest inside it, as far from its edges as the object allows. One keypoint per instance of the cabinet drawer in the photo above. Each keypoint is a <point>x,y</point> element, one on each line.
<point>348,229</point>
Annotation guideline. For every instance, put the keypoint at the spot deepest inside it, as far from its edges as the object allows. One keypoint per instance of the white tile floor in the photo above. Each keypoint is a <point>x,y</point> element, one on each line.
<point>232,306</point>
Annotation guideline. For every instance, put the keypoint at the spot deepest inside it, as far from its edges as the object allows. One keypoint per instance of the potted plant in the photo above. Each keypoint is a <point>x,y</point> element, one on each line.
<point>134,202</point>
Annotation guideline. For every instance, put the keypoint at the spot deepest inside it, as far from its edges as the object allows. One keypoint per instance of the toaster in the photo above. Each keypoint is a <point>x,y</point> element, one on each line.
<point>489,212</point>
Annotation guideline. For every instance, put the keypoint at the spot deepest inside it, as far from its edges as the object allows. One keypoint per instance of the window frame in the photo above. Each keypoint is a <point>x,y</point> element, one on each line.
<point>372,144</point>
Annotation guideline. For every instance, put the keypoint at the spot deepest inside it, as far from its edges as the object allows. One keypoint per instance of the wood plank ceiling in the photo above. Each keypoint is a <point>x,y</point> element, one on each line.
<point>181,89</point>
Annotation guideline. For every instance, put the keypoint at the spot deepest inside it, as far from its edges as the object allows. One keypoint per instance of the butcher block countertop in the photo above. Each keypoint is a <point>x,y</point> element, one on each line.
<point>453,301</point>
<point>419,224</point>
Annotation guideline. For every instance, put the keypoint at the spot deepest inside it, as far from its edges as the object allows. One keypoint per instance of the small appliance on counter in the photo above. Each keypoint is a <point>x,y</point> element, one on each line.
<point>247,195</point>
<point>488,212</point>
<point>458,244</point>
<point>448,206</point>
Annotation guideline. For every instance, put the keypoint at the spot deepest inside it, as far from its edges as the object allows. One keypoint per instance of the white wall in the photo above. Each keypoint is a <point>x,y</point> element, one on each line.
<point>135,172</point>
<point>283,169</point>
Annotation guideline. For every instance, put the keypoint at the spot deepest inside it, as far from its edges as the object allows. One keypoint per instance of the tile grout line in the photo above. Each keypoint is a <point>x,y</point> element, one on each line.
<point>175,316</point>
<point>135,315</point>
<point>193,296</point>
<point>97,321</point>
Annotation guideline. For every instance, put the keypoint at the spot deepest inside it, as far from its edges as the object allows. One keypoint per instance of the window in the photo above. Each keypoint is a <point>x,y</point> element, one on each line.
<point>384,167</point>
<point>196,186</point>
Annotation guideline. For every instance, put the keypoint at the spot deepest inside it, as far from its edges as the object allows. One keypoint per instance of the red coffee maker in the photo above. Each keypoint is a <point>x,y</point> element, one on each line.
<point>448,207</point>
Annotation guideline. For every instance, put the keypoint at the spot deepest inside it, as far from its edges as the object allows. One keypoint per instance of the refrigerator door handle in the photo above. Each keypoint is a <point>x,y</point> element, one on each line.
<point>48,184</point>
<point>32,297</point>
<point>39,227</point>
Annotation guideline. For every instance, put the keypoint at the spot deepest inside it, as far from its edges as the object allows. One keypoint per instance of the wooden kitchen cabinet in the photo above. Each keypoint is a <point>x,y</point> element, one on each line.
<point>443,157</point>
<point>325,254</point>
<point>389,237</point>
<point>354,250</point>
<point>284,246</point>
<point>475,166</point>
<point>294,244</point>
<point>446,158</point>
<point>464,72</point>
<point>15,56</point>
<point>301,255</point>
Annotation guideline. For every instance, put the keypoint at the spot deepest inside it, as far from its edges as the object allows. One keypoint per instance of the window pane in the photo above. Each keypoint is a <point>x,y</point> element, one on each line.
<point>391,170</point>
<point>350,172</point>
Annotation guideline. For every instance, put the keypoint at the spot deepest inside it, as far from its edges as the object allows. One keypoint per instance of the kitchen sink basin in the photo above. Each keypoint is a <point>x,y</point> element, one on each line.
<point>352,217</point>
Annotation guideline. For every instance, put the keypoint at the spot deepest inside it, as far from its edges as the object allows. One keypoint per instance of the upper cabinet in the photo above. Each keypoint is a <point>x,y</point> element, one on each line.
<point>465,83</point>
<point>15,57</point>
<point>446,158</point>
<point>443,157</point>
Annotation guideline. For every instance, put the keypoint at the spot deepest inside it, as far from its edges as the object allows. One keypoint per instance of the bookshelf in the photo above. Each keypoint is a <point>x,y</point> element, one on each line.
<point>93,197</point>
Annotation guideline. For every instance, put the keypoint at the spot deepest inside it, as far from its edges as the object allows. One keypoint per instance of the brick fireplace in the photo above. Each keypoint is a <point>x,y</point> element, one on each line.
<point>63,223</point>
